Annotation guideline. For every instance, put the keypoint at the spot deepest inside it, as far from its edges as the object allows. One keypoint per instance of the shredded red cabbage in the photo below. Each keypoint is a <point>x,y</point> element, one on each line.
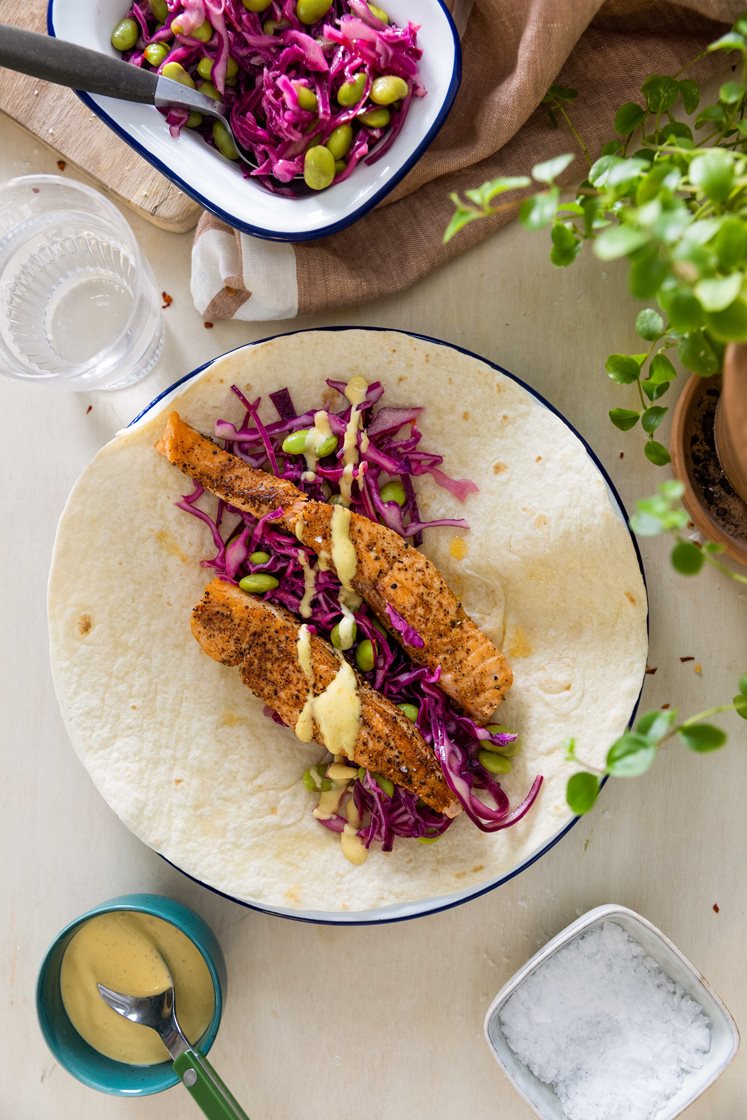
<point>260,61</point>
<point>392,438</point>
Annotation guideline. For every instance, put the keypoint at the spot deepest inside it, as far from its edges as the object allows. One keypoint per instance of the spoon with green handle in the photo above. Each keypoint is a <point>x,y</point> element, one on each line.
<point>159,1013</point>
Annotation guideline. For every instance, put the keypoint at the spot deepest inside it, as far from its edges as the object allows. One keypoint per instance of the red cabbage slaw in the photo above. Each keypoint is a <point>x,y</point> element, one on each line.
<point>390,451</point>
<point>260,61</point>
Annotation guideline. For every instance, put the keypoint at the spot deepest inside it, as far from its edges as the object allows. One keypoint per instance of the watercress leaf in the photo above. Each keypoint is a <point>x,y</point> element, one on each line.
<point>655,725</point>
<point>690,94</point>
<point>571,208</point>
<point>549,169</point>
<point>562,257</point>
<point>682,307</point>
<point>740,705</point>
<point>624,418</point>
<point>653,391</point>
<point>628,117</point>
<point>740,25</point>
<point>647,274</point>
<point>661,369</point>
<point>656,453</point>
<point>570,749</point>
<point>729,325</point>
<point>649,324</point>
<point>687,559</point>
<point>582,791</point>
<point>731,41</point>
<point>731,93</point>
<point>630,756</point>
<point>611,148</point>
<point>671,489</point>
<point>484,195</point>
<point>702,231</point>
<point>731,242</point>
<point>743,684</point>
<point>652,417</point>
<point>646,524</point>
<point>623,368</point>
<point>660,93</point>
<point>717,292</point>
<point>713,115</point>
<point>712,546</point>
<point>674,130</point>
<point>625,171</point>
<point>538,211</point>
<point>696,353</point>
<point>713,173</point>
<point>459,219</point>
<point>557,92</point>
<point>553,116</point>
<point>600,169</point>
<point>619,241</point>
<point>702,737</point>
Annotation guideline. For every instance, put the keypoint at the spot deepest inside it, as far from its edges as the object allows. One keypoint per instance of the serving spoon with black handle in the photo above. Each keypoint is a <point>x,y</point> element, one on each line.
<point>67,64</point>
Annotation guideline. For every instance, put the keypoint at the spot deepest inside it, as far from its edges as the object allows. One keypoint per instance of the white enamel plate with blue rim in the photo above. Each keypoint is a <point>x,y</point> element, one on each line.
<point>180,749</point>
<point>219,185</point>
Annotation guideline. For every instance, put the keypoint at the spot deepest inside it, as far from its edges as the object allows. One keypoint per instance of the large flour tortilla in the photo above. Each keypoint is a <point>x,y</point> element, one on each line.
<point>179,747</point>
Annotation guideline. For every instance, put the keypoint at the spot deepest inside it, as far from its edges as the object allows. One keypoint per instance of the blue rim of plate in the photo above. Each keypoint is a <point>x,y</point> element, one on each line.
<point>438,907</point>
<point>275,235</point>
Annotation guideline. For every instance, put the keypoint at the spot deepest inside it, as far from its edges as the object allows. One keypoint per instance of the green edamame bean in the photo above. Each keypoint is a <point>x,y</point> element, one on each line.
<point>295,443</point>
<point>499,729</point>
<point>340,166</point>
<point>232,68</point>
<point>365,657</point>
<point>270,26</point>
<point>258,583</point>
<point>351,92</point>
<point>125,35</point>
<point>393,492</point>
<point>177,73</point>
<point>256,5</point>
<point>259,558</point>
<point>318,168</point>
<point>349,641</point>
<point>410,710</point>
<point>159,10</point>
<point>507,749</point>
<point>339,140</point>
<point>311,11</point>
<point>326,785</point>
<point>204,32</point>
<point>194,120</point>
<point>384,784</point>
<point>494,763</point>
<point>428,839</point>
<point>379,13</point>
<point>327,447</point>
<point>156,53</point>
<point>309,782</point>
<point>388,89</point>
<point>361,772</point>
<point>224,142</point>
<point>375,118</point>
<point>209,90</point>
<point>205,68</point>
<point>307,99</point>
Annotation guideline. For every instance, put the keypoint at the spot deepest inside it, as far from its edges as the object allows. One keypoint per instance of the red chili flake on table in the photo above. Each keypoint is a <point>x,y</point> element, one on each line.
<point>622,454</point>
<point>684,659</point>
<point>61,164</point>
<point>715,908</point>
<point>207,325</point>
<point>167,299</point>
<point>651,669</point>
<point>666,707</point>
<point>89,409</point>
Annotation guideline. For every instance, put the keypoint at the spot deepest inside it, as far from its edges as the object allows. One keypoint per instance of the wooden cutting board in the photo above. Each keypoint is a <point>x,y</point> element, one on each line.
<point>58,118</point>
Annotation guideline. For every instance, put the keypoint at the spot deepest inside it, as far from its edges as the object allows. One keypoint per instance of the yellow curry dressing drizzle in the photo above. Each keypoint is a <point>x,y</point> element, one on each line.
<point>314,440</point>
<point>353,847</point>
<point>343,551</point>
<point>336,710</point>
<point>355,391</point>
<point>309,585</point>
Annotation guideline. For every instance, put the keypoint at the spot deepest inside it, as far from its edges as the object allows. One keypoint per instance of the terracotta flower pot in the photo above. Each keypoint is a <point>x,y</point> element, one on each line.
<point>709,452</point>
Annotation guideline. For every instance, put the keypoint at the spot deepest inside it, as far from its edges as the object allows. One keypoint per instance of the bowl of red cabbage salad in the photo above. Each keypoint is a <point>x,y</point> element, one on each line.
<point>311,87</point>
<point>375,475</point>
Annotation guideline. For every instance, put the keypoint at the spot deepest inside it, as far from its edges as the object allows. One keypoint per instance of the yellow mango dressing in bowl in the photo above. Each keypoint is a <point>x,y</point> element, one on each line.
<point>139,955</point>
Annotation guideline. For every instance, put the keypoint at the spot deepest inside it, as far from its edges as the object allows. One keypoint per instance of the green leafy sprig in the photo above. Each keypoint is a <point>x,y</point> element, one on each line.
<point>664,513</point>
<point>634,752</point>
<point>669,194</point>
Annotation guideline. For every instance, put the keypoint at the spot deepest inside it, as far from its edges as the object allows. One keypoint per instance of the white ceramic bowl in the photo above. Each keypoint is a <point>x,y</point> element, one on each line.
<point>724,1034</point>
<point>218,185</point>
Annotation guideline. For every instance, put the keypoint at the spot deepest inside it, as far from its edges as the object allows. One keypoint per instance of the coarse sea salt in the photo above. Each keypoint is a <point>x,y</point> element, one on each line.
<point>605,1026</point>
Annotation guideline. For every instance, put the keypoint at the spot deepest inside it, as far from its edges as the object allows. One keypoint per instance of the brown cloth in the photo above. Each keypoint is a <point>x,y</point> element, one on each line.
<point>513,50</point>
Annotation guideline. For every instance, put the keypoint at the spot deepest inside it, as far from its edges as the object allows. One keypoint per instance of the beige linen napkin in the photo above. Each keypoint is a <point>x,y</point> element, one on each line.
<point>513,50</point>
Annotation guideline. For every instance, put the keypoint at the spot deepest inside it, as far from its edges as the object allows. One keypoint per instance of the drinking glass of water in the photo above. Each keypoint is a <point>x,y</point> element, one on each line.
<point>78,302</point>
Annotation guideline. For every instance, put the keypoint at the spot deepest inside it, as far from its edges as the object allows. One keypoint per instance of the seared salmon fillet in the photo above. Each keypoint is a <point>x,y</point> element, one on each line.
<point>389,572</point>
<point>260,638</point>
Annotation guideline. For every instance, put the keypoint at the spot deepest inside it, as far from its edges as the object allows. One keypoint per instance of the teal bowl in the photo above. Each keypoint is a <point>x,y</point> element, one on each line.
<point>72,1052</point>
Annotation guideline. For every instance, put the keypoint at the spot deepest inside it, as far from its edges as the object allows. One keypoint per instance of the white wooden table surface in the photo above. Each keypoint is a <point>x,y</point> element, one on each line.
<point>405,1040</point>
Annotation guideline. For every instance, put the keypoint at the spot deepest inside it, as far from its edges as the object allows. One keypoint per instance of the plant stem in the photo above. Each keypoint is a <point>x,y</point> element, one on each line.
<point>575,134</point>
